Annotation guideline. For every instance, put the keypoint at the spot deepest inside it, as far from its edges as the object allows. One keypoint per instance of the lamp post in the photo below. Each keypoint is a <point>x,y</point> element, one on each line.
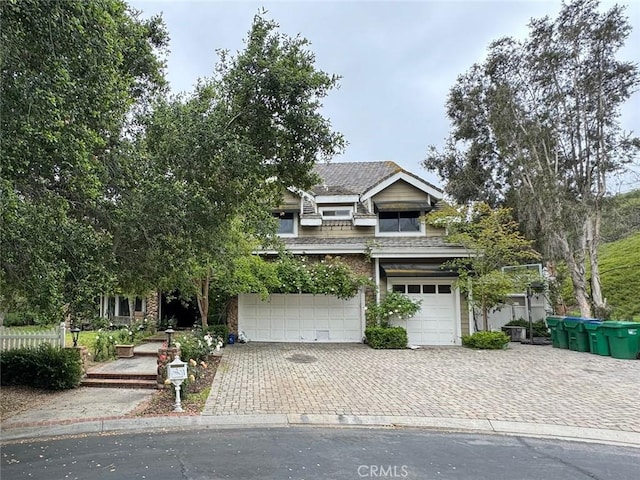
<point>169,331</point>
<point>75,334</point>
<point>537,288</point>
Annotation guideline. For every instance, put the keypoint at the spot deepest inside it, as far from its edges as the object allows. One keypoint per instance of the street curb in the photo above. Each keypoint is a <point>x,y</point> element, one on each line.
<point>219,422</point>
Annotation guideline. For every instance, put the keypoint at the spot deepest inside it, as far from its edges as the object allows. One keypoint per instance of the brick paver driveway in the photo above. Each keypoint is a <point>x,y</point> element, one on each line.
<point>524,384</point>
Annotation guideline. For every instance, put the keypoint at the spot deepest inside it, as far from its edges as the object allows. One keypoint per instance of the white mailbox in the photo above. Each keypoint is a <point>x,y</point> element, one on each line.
<point>177,373</point>
<point>177,370</point>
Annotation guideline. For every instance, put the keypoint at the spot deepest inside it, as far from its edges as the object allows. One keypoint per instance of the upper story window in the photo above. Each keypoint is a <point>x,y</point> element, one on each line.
<point>399,222</point>
<point>337,213</point>
<point>287,225</point>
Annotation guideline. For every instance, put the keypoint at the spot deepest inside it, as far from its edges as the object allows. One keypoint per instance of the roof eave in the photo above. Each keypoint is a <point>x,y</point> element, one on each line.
<point>411,179</point>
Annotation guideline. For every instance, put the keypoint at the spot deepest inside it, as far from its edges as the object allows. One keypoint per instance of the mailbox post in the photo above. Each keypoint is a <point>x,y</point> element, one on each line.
<point>177,373</point>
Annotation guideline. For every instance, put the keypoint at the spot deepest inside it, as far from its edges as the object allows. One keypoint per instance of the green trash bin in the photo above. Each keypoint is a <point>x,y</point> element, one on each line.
<point>598,342</point>
<point>576,333</point>
<point>559,338</point>
<point>624,339</point>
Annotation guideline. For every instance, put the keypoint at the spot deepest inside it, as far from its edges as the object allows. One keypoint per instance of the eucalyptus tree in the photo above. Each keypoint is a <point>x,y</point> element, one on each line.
<point>224,153</point>
<point>537,122</point>
<point>71,74</point>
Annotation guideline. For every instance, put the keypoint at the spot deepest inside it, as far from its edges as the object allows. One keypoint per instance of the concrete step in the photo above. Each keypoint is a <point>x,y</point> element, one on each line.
<point>121,376</point>
<point>158,337</point>
<point>147,349</point>
<point>119,383</point>
<point>138,353</point>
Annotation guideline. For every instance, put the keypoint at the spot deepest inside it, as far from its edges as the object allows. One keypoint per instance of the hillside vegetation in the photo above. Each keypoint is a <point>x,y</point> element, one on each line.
<point>619,258</point>
<point>620,275</point>
<point>621,216</point>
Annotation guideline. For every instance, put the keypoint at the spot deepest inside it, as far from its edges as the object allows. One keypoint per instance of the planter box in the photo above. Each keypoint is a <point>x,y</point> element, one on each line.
<point>515,333</point>
<point>124,351</point>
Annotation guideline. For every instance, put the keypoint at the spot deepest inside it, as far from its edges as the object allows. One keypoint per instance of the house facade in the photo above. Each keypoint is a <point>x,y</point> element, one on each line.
<point>369,215</point>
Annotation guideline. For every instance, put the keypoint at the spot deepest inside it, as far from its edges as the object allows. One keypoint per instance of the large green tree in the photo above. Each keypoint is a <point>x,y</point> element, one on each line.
<point>537,123</point>
<point>72,75</point>
<point>223,154</point>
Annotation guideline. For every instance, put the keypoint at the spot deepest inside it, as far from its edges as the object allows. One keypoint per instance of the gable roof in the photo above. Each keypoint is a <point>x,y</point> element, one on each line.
<point>358,178</point>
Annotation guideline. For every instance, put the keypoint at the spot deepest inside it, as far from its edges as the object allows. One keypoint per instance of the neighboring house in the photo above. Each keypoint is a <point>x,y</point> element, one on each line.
<point>118,308</point>
<point>516,307</point>
<point>368,214</point>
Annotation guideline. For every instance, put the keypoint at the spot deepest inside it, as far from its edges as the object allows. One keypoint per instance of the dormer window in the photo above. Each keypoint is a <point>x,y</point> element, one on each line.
<point>337,213</point>
<point>399,222</point>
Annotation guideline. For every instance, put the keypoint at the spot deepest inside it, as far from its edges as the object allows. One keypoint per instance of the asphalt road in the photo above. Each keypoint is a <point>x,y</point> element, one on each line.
<point>309,453</point>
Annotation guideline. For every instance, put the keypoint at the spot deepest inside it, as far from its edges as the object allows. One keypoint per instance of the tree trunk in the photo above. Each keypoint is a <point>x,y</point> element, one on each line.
<point>485,317</point>
<point>577,272</point>
<point>202,296</point>
<point>593,240</point>
<point>132,307</point>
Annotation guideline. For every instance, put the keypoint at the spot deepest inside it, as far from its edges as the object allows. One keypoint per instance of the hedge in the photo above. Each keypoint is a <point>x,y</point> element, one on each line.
<point>47,367</point>
<point>539,327</point>
<point>486,340</point>
<point>386,337</point>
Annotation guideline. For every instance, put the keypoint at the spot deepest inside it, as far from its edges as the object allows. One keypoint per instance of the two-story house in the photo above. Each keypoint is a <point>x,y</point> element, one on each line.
<point>368,214</point>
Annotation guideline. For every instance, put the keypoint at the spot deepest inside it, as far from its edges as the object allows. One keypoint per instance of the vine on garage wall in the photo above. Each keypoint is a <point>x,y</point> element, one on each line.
<point>330,276</point>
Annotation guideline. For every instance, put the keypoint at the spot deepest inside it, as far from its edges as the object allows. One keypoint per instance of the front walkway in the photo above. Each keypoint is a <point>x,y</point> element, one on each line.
<point>532,384</point>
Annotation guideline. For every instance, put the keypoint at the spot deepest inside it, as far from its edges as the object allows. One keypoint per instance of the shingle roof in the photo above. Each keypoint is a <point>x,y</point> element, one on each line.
<point>356,177</point>
<point>413,241</point>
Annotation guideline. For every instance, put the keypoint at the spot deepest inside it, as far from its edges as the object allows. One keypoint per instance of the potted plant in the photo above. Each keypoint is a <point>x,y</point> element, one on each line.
<point>124,351</point>
<point>125,343</point>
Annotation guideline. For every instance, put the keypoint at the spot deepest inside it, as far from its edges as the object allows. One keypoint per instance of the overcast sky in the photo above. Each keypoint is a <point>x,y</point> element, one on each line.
<point>397,60</point>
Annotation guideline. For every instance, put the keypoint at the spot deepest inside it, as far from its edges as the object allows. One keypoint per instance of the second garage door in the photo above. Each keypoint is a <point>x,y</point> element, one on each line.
<point>300,318</point>
<point>436,322</point>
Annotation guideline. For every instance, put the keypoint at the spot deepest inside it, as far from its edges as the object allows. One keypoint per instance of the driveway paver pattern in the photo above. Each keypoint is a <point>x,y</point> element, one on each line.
<point>536,384</point>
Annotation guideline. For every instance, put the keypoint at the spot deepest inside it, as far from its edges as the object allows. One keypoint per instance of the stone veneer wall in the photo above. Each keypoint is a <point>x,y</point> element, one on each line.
<point>152,306</point>
<point>232,315</point>
<point>464,314</point>
<point>360,264</point>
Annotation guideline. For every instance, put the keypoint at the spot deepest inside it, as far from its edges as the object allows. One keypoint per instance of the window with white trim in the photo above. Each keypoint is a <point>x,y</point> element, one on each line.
<point>399,222</point>
<point>336,213</point>
<point>422,288</point>
<point>287,223</point>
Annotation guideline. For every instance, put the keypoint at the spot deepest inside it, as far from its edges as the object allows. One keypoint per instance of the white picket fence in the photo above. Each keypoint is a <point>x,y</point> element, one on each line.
<point>11,338</point>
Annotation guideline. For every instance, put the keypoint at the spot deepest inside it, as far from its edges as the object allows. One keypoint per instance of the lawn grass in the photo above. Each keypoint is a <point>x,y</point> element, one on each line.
<point>86,339</point>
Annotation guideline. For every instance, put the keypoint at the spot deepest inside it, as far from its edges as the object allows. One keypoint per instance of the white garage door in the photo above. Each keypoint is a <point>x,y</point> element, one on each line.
<point>436,322</point>
<point>300,318</point>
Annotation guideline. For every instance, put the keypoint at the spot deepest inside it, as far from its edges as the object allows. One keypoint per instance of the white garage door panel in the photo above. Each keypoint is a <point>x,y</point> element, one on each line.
<point>435,323</point>
<point>300,318</point>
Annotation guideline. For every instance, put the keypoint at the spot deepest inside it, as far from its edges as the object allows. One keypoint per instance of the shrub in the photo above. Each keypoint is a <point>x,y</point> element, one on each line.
<point>330,276</point>
<point>47,367</point>
<point>192,347</point>
<point>144,327</point>
<point>23,319</point>
<point>97,323</point>
<point>386,337</point>
<point>104,346</point>
<point>486,340</point>
<point>221,331</point>
<point>393,305</point>
<point>125,336</point>
<point>539,327</point>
